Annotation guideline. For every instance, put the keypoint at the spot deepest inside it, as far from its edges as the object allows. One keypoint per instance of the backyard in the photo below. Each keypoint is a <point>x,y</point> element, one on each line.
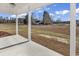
<point>7,29</point>
<point>55,37</point>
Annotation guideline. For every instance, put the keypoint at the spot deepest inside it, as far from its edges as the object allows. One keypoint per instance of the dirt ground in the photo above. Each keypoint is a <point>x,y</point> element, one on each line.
<point>3,34</point>
<point>51,43</point>
<point>7,30</point>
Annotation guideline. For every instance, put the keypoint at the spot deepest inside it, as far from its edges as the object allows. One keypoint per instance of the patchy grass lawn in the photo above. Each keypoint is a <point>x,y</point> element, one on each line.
<point>23,30</point>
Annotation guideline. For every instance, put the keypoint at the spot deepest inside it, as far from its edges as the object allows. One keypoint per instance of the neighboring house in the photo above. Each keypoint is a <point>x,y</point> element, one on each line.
<point>45,21</point>
<point>46,18</point>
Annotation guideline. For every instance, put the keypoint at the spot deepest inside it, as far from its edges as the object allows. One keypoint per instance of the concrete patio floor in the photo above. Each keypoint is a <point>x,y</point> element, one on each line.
<point>26,49</point>
<point>11,40</point>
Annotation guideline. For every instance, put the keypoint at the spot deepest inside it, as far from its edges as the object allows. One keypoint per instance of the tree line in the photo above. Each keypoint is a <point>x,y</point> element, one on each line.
<point>7,20</point>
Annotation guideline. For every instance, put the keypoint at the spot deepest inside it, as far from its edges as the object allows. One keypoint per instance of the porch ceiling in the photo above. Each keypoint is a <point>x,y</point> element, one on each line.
<point>19,8</point>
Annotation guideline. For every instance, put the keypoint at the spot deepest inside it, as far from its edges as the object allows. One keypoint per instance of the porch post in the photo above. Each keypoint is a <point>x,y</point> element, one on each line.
<point>17,25</point>
<point>72,29</point>
<point>29,24</point>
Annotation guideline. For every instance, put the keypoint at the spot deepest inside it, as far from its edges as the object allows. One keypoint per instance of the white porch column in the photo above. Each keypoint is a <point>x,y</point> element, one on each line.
<point>72,29</point>
<point>17,25</point>
<point>29,24</point>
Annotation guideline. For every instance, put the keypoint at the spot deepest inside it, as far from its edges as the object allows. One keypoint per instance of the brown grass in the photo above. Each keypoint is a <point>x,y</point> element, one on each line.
<point>52,44</point>
<point>7,29</point>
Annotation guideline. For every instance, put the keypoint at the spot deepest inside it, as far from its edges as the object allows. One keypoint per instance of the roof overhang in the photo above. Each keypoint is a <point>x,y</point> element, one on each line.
<point>19,8</point>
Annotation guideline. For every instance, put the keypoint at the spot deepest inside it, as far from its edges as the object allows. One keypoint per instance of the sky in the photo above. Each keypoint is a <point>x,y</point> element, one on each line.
<point>56,11</point>
<point>5,14</point>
